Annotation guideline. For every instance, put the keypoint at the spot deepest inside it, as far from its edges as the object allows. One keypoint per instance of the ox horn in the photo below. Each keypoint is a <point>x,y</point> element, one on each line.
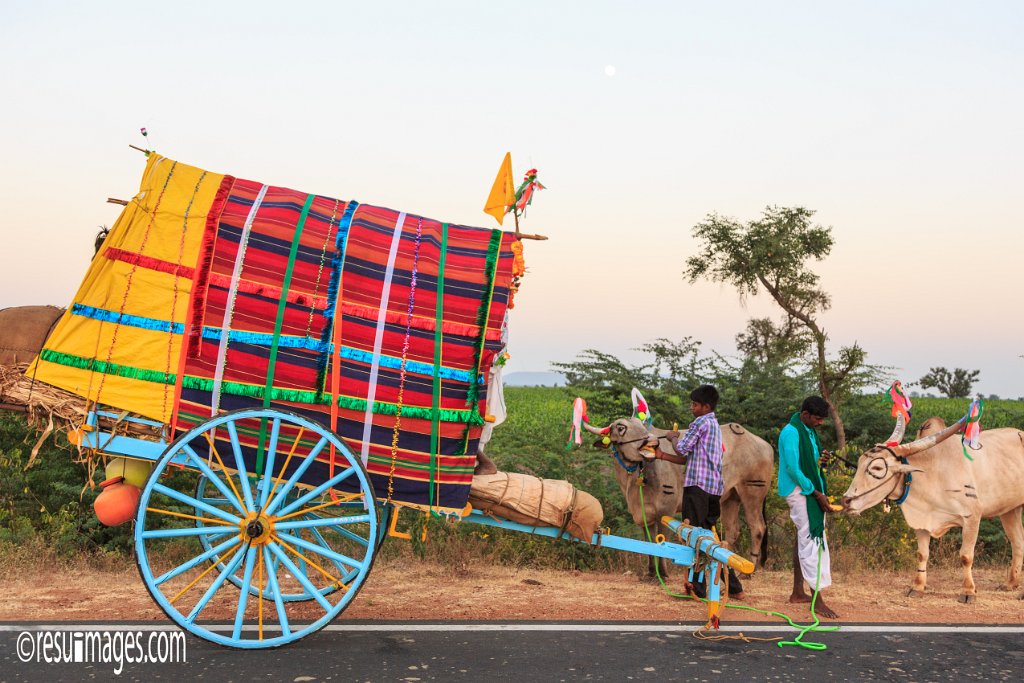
<point>596,430</point>
<point>913,447</point>
<point>897,433</point>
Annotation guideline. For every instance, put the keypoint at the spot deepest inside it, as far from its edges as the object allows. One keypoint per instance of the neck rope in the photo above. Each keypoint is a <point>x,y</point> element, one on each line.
<point>620,459</point>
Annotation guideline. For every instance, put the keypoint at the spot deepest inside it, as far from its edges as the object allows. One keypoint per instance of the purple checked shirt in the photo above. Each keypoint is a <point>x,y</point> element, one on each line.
<point>702,443</point>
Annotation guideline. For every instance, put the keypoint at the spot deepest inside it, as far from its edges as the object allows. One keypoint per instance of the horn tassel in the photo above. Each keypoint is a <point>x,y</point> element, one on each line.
<point>972,428</point>
<point>641,411</point>
<point>579,418</point>
<point>901,406</point>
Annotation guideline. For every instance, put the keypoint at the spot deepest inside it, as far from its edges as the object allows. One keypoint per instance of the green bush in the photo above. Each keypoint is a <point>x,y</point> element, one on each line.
<point>51,499</point>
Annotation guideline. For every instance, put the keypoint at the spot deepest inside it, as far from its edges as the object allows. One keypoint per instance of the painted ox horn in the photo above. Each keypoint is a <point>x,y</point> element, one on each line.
<point>897,433</point>
<point>921,444</point>
<point>600,431</point>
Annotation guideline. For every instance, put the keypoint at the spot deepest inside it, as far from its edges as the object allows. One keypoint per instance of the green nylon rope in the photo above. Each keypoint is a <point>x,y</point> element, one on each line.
<point>803,630</point>
<point>815,626</point>
<point>438,338</point>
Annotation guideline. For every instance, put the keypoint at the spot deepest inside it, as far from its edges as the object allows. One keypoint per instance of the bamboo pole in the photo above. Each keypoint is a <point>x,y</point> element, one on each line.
<point>524,236</point>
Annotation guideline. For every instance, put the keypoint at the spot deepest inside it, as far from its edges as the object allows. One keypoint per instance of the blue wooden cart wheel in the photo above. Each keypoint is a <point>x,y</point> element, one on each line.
<point>255,459</point>
<point>323,535</point>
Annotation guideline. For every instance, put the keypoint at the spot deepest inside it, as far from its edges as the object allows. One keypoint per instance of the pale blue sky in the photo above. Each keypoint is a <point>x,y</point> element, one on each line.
<point>899,122</point>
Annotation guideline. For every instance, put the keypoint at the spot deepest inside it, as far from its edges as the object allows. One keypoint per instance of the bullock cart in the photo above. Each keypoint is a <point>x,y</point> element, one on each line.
<point>287,372</point>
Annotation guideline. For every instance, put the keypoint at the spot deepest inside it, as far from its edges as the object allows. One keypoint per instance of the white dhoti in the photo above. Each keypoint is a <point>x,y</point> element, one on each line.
<point>807,547</point>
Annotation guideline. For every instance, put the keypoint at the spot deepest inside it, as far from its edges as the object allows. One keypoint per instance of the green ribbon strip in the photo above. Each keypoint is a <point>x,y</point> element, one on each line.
<point>438,339</point>
<point>279,323</point>
<point>482,315</point>
<point>254,390</point>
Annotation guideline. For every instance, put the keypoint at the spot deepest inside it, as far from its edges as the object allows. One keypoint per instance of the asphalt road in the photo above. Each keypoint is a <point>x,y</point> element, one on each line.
<point>412,652</point>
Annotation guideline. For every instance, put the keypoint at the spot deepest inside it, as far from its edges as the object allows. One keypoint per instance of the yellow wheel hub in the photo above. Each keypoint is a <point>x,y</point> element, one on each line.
<point>257,528</point>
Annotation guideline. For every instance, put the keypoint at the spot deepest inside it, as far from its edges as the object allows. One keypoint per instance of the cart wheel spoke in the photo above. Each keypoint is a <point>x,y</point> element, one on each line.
<point>282,615</point>
<point>243,595</point>
<point>313,590</point>
<point>215,586</point>
<point>231,497</point>
<point>323,543</point>
<point>289,485</point>
<point>321,521</point>
<point>333,482</point>
<point>267,480</point>
<point>243,479</point>
<point>199,559</point>
<point>209,532</point>
<point>348,562</point>
<point>189,500</point>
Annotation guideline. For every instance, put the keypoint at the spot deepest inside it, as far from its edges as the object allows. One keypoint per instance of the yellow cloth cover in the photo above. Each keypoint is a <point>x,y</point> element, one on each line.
<point>165,221</point>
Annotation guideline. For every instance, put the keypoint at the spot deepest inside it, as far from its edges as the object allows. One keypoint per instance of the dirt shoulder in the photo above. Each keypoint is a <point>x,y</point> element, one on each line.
<point>410,589</point>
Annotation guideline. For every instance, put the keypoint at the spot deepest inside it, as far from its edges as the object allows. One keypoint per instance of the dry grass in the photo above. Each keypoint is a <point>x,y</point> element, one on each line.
<point>402,587</point>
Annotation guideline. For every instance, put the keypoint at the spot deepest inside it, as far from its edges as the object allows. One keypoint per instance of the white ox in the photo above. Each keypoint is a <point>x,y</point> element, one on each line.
<point>747,468</point>
<point>946,490</point>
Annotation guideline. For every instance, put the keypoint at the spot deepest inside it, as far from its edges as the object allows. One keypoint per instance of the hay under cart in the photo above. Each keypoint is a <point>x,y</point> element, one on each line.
<point>271,376</point>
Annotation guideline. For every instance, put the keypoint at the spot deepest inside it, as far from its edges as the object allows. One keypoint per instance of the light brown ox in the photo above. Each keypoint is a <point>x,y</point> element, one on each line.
<point>747,469</point>
<point>947,490</point>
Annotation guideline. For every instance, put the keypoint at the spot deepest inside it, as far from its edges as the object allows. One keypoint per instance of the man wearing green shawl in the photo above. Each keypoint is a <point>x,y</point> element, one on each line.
<point>803,485</point>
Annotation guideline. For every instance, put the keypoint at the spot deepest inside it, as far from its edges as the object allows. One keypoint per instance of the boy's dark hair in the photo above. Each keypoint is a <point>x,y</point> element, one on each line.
<point>707,394</point>
<point>815,405</point>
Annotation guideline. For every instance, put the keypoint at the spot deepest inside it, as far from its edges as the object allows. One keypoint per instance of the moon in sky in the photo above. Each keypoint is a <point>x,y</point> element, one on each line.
<point>609,71</point>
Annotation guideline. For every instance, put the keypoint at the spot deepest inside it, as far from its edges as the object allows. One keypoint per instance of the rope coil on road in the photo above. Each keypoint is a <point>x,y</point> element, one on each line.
<point>701,634</point>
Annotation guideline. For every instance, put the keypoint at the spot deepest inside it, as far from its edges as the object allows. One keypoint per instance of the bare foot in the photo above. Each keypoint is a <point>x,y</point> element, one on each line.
<point>797,598</point>
<point>823,610</point>
<point>737,596</point>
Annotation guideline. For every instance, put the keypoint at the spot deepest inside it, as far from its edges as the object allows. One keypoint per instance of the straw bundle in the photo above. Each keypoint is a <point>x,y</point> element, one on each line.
<point>50,409</point>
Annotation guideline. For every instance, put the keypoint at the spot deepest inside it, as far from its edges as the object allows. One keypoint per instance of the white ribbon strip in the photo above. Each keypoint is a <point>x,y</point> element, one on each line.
<point>378,339</point>
<point>229,308</point>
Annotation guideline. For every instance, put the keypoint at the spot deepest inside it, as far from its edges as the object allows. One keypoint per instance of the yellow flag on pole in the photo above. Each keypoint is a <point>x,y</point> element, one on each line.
<point>503,193</point>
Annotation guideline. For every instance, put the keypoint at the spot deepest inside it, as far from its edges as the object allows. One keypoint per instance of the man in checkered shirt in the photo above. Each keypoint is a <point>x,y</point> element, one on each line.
<point>702,485</point>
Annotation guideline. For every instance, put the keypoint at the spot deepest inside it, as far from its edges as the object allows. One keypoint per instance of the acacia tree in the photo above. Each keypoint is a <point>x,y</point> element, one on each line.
<point>772,344</point>
<point>956,384</point>
<point>772,254</point>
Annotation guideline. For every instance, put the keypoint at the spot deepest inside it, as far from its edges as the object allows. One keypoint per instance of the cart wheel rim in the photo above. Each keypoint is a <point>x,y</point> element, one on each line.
<point>260,537</point>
